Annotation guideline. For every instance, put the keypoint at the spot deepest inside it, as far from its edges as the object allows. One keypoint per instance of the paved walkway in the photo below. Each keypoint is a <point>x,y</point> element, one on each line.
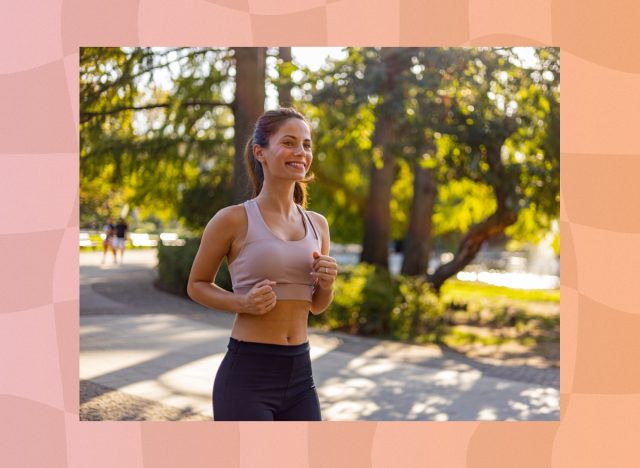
<point>156,347</point>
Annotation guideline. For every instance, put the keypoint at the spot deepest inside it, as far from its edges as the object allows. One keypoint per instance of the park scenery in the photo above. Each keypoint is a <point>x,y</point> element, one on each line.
<point>438,170</point>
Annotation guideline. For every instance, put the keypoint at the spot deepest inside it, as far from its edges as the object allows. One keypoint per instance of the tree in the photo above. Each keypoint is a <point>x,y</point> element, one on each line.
<point>472,148</point>
<point>285,68</point>
<point>424,113</point>
<point>501,114</point>
<point>417,242</point>
<point>377,219</point>
<point>370,81</point>
<point>157,127</point>
<point>153,123</point>
<point>247,107</point>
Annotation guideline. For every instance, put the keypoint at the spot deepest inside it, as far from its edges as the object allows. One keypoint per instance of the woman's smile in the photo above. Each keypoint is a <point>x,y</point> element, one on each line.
<point>297,165</point>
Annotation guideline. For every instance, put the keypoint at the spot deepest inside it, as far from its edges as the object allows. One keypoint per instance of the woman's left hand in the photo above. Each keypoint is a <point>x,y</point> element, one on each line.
<point>325,270</point>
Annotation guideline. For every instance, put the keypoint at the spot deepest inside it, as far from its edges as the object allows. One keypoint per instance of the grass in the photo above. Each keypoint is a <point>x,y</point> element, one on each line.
<point>463,291</point>
<point>486,315</point>
<point>457,337</point>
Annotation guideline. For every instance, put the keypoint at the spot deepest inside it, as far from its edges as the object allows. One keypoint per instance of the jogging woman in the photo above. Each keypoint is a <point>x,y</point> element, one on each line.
<point>278,257</point>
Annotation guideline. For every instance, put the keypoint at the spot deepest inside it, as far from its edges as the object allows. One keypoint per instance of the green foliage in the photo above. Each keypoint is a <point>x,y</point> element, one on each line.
<point>401,195</point>
<point>364,296</point>
<point>462,203</point>
<point>470,291</point>
<point>460,109</point>
<point>165,146</point>
<point>200,202</point>
<point>98,201</point>
<point>174,267</point>
<point>153,124</point>
<point>342,144</point>
<point>418,313</point>
<point>369,301</point>
<point>206,196</point>
<point>379,295</point>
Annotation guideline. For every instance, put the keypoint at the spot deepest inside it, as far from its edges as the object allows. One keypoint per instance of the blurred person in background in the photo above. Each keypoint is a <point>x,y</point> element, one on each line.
<point>120,238</point>
<point>108,231</point>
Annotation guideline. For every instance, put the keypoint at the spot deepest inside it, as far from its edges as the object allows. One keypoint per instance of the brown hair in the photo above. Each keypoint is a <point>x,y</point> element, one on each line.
<point>266,125</point>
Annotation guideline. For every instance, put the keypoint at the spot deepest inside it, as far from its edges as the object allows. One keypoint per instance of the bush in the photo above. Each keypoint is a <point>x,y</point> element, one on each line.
<point>364,295</point>
<point>379,295</point>
<point>369,301</point>
<point>174,266</point>
<point>418,314</point>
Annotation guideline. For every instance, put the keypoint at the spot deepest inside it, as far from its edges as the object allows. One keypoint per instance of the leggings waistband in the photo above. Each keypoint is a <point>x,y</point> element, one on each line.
<point>267,348</point>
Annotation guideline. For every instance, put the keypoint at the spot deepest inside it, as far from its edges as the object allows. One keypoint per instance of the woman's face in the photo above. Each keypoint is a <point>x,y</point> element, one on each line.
<point>289,152</point>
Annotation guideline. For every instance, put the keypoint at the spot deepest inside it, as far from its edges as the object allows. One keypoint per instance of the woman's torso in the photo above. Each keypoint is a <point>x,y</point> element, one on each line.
<point>286,323</point>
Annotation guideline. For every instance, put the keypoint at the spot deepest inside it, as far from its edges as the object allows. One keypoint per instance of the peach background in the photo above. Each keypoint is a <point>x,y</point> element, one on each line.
<point>600,404</point>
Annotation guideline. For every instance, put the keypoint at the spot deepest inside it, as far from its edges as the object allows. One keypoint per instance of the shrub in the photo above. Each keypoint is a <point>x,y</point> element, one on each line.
<point>369,301</point>
<point>174,266</point>
<point>418,313</point>
<point>379,296</point>
<point>364,295</point>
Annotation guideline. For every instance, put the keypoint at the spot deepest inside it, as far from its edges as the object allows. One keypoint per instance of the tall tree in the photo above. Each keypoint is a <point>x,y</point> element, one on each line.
<point>247,107</point>
<point>394,63</point>
<point>285,68</point>
<point>152,123</point>
<point>424,114</point>
<point>460,106</point>
<point>500,112</point>
<point>417,242</point>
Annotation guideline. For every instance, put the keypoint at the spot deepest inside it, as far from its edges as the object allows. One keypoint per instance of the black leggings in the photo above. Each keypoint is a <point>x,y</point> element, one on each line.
<point>265,382</point>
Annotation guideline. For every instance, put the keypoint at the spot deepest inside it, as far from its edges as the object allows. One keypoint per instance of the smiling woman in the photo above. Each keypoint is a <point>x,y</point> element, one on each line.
<point>278,256</point>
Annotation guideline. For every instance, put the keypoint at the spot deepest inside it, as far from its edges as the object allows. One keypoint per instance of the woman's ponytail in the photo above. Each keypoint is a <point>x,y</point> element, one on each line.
<point>253,167</point>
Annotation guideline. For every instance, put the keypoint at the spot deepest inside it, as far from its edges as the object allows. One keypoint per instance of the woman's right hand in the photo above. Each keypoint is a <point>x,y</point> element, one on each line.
<point>260,299</point>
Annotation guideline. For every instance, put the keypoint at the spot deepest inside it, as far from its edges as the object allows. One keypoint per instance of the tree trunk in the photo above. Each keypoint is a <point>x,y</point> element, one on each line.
<point>248,106</point>
<point>470,245</point>
<point>504,216</point>
<point>285,84</point>
<point>377,216</point>
<point>417,243</point>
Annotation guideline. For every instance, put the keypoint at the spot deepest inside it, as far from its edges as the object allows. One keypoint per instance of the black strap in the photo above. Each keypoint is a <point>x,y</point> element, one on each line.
<point>311,224</point>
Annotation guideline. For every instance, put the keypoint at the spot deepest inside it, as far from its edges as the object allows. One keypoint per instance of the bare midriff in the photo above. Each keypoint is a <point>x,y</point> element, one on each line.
<point>285,324</point>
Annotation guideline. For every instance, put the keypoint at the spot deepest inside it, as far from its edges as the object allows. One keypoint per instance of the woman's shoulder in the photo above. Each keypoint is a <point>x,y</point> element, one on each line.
<point>228,218</point>
<point>315,215</point>
<point>231,212</point>
<point>318,219</point>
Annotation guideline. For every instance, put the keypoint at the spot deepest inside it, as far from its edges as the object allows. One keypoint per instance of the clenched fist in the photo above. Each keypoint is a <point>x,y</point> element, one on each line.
<point>325,270</point>
<point>260,299</point>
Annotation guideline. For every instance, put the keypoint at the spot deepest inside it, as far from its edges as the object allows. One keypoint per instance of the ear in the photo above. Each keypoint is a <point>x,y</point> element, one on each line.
<point>257,153</point>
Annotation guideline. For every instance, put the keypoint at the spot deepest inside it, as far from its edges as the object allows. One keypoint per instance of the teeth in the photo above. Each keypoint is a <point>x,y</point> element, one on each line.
<point>295,164</point>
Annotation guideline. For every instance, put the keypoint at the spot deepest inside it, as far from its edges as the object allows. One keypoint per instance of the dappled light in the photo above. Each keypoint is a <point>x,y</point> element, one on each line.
<point>436,169</point>
<point>512,280</point>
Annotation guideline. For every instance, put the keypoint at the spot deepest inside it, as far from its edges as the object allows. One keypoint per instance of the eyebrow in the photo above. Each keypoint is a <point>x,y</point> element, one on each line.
<point>291,136</point>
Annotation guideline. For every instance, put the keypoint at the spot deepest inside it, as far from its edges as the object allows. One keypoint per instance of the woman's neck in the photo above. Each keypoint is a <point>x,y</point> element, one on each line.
<point>277,198</point>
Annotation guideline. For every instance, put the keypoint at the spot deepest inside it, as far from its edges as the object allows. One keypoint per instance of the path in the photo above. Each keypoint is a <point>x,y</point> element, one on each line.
<point>161,352</point>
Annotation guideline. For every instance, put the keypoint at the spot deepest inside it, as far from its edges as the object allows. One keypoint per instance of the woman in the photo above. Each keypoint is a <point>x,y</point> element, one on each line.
<point>108,231</point>
<point>278,257</point>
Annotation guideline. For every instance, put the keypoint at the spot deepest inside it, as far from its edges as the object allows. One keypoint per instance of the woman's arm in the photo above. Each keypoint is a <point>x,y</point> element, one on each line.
<point>323,291</point>
<point>216,242</point>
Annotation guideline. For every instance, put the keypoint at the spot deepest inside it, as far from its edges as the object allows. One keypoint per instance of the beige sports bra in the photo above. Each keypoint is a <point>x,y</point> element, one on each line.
<point>266,256</point>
